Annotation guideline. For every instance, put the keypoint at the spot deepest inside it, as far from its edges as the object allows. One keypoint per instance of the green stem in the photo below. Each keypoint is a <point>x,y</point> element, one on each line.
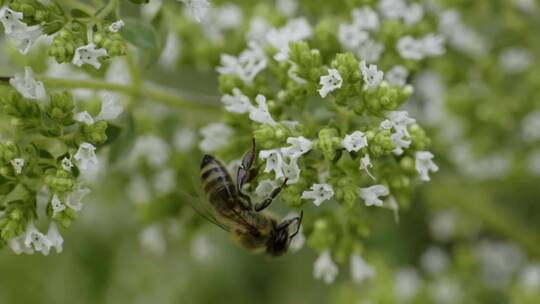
<point>151,92</point>
<point>111,6</point>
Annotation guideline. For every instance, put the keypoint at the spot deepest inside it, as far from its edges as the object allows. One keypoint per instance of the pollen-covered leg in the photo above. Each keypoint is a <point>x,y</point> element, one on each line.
<point>286,223</point>
<point>267,201</point>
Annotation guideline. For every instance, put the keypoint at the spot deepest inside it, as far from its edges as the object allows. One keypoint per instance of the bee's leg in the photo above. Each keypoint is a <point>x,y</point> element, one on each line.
<point>245,172</point>
<point>267,201</point>
<point>286,223</point>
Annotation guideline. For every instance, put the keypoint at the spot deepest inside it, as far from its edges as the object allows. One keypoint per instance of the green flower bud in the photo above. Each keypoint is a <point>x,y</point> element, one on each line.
<point>381,144</point>
<point>420,141</point>
<point>61,108</point>
<point>329,143</point>
<point>346,192</point>
<point>60,182</point>
<point>347,66</point>
<point>9,151</point>
<point>308,61</point>
<point>322,236</point>
<point>268,136</point>
<point>95,133</point>
<point>112,42</point>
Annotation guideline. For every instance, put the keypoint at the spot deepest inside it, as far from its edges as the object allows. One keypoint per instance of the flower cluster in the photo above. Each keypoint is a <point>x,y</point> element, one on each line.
<point>53,142</point>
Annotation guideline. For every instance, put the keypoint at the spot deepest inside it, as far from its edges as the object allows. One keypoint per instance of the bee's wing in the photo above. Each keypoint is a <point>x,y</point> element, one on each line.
<point>199,205</point>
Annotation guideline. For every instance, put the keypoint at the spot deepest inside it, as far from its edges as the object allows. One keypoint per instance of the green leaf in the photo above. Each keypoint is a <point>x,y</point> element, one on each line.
<point>145,37</point>
<point>77,13</point>
<point>124,141</point>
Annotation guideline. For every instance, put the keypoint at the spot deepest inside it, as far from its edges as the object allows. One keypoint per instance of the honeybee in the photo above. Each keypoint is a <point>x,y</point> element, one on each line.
<point>252,228</point>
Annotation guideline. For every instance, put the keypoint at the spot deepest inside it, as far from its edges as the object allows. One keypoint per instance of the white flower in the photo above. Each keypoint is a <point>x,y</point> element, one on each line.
<point>371,195</point>
<point>86,156</point>
<point>57,205</point>
<point>432,45</point>
<point>152,239</point>
<point>202,248</point>
<point>424,164</point>
<point>413,14</point>
<point>399,120</point>
<point>370,50</point>
<point>236,103</point>
<point>151,148</point>
<point>392,9</point>
<point>365,164</point>
<point>434,260</point>
<point>529,277</point>
<point>355,141</point>
<point>400,142</point>
<point>110,108</point>
<point>360,270</point>
<point>36,240</point>
<point>66,164</point>
<point>295,30</point>
<point>226,17</point>
<point>17,164</point>
<point>265,187</point>
<point>515,60</point>
<point>17,245</point>
<point>397,76</point>
<point>28,86</point>
<point>298,147</point>
<point>274,161</point>
<point>25,39</point>
<point>260,113</point>
<point>319,193</point>
<point>197,8</point>
<point>247,65</point>
<point>11,20</point>
<point>372,75</point>
<point>55,238</point>
<point>258,29</point>
<point>365,18</point>
<point>215,136</point>
<point>89,54</point>
<point>291,171</point>
<point>84,117</point>
<point>184,139</point>
<point>460,36</point>
<point>324,268</point>
<point>410,48</point>
<point>138,190</point>
<point>74,199</point>
<point>293,74</point>
<point>116,26</point>
<point>330,82</point>
<point>351,37</point>
<point>442,225</point>
<point>406,283</point>
<point>165,181</point>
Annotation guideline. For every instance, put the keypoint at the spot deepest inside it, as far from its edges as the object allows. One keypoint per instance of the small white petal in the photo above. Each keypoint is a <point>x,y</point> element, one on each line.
<point>17,164</point>
<point>11,20</point>
<point>355,141</point>
<point>298,147</point>
<point>237,102</point>
<point>57,205</point>
<point>116,26</point>
<point>371,195</point>
<point>360,270</point>
<point>89,54</point>
<point>55,238</point>
<point>265,187</point>
<point>36,240</point>
<point>25,39</point>
<point>86,156</point>
<point>247,65</point>
<point>295,30</point>
<point>67,164</point>
<point>365,164</point>
<point>260,113</point>
<point>372,76</point>
<point>28,86</point>
<point>319,193</point>
<point>215,136</point>
<point>330,82</point>
<point>197,8</point>
<point>397,76</point>
<point>84,117</point>
<point>324,268</point>
<point>274,161</point>
<point>424,164</point>
<point>110,108</point>
<point>74,199</point>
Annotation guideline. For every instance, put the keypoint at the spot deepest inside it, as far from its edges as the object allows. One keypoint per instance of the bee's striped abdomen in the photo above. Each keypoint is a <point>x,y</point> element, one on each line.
<point>218,184</point>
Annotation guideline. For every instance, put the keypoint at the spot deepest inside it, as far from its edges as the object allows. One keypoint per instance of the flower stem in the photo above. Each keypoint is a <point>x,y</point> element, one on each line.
<point>151,92</point>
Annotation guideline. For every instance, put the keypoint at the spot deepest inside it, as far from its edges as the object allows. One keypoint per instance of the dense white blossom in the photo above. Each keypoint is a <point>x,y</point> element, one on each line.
<point>291,171</point>
<point>370,51</point>
<point>330,82</point>
<point>36,240</point>
<point>151,148</point>
<point>295,30</point>
<point>406,283</point>
<point>258,29</point>
<point>164,181</point>
<point>424,164</point>
<point>184,139</point>
<point>28,86</point>
<point>152,239</point>
<point>17,164</point>
<point>260,113</point>
<point>350,37</point>
<point>360,269</point>
<point>215,136</point>
<point>434,261</point>
<point>197,8</point>
<point>529,277</point>
<point>355,141</point>
<point>371,195</point>
<point>515,60</point>
<point>431,45</point>
<point>372,75</point>
<point>287,7</point>
<point>89,54</point>
<point>11,20</point>
<point>399,122</point>
<point>20,33</point>
<point>319,193</point>
<point>298,147</point>
<point>274,161</point>
<point>392,9</point>
<point>365,18</point>
<point>324,268</point>
<point>499,262</point>
<point>86,156</point>
<point>237,102</point>
<point>247,65</point>
<point>460,36</point>
<point>442,225</point>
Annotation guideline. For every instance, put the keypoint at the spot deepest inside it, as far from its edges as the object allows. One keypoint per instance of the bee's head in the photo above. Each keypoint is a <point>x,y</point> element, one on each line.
<point>278,243</point>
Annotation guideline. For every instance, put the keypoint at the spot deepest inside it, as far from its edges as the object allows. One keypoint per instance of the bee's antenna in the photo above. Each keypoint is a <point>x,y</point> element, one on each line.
<point>299,219</point>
